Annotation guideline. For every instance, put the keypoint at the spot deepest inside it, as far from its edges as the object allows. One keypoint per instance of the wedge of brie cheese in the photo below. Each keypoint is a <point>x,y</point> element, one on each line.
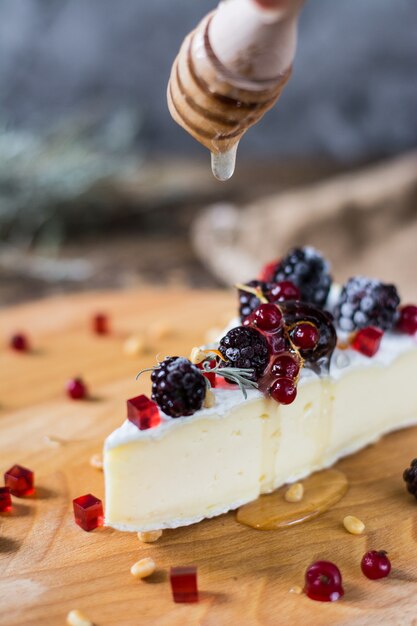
<point>191,468</point>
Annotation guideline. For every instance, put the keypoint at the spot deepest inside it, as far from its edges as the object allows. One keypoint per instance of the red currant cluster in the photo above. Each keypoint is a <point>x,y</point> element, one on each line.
<point>297,333</point>
<point>281,377</point>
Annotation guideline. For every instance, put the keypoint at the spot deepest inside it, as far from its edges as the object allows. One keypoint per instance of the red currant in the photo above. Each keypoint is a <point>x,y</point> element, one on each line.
<point>376,564</point>
<point>407,322</point>
<point>323,582</point>
<point>283,390</point>
<point>76,389</point>
<point>19,342</point>
<point>305,336</point>
<point>249,321</point>
<point>285,366</point>
<point>284,290</point>
<point>267,317</point>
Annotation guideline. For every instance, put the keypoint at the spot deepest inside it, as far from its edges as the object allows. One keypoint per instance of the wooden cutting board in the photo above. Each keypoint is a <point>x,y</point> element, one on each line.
<point>49,566</point>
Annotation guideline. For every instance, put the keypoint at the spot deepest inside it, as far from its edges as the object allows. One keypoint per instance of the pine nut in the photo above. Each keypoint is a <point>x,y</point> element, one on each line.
<point>76,618</point>
<point>353,525</point>
<point>160,330</point>
<point>53,441</point>
<point>296,589</point>
<point>197,355</point>
<point>149,536</point>
<point>209,399</point>
<point>143,568</point>
<point>134,346</point>
<point>96,461</point>
<point>294,493</point>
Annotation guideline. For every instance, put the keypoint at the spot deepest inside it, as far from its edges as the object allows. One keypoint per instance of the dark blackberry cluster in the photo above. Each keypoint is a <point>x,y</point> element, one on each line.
<point>248,302</point>
<point>309,271</point>
<point>366,302</point>
<point>245,347</point>
<point>178,387</point>
<point>410,478</point>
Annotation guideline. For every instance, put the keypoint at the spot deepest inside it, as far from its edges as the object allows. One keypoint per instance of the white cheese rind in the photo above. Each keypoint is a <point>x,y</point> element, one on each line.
<point>226,400</point>
<point>342,363</point>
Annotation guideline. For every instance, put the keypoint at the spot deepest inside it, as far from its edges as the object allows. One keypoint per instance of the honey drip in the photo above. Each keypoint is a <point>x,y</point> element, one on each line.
<point>272,512</point>
<point>223,163</point>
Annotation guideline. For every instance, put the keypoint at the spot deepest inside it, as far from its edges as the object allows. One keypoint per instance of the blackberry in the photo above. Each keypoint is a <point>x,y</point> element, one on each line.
<point>248,302</point>
<point>178,387</point>
<point>309,271</point>
<point>410,478</point>
<point>245,347</point>
<point>366,302</point>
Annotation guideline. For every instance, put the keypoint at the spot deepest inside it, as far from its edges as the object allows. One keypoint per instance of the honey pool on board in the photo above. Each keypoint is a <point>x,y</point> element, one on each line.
<point>272,512</point>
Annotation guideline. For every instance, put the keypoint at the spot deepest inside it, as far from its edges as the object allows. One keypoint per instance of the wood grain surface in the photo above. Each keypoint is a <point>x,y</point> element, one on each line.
<point>49,566</point>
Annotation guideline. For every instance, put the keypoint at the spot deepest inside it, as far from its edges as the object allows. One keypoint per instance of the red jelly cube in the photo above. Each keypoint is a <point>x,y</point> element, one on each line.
<point>19,480</point>
<point>143,413</point>
<point>184,584</point>
<point>5,500</point>
<point>211,377</point>
<point>222,383</point>
<point>367,340</point>
<point>88,512</point>
<point>100,324</point>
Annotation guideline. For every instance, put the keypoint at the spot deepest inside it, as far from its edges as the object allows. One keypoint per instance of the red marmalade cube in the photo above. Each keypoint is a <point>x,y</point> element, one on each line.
<point>222,383</point>
<point>5,500</point>
<point>143,413</point>
<point>100,324</point>
<point>19,480</point>
<point>211,377</point>
<point>184,584</point>
<point>367,340</point>
<point>88,512</point>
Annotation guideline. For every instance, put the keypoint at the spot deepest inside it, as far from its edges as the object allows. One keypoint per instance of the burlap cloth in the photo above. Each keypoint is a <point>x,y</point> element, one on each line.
<point>365,222</point>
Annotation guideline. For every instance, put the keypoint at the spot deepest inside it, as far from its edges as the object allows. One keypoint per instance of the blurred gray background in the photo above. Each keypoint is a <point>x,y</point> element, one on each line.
<point>100,188</point>
<point>353,93</point>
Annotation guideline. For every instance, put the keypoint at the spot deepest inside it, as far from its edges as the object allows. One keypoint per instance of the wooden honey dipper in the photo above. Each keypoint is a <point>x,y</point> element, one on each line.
<point>230,71</point>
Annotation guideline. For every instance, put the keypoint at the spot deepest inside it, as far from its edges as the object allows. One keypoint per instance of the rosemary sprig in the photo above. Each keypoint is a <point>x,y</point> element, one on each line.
<point>240,375</point>
<point>243,377</point>
<point>146,369</point>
